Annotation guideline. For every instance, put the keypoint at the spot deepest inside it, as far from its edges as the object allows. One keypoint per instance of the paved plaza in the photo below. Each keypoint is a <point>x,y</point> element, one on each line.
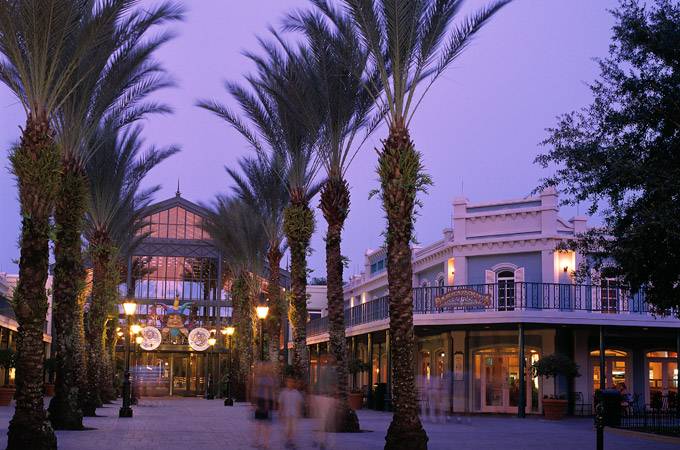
<point>197,424</point>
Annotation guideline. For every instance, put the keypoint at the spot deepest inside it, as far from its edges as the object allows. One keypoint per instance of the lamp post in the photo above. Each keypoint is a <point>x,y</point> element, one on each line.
<point>211,391</point>
<point>228,332</point>
<point>135,385</point>
<point>129,307</point>
<point>262,310</point>
<point>134,331</point>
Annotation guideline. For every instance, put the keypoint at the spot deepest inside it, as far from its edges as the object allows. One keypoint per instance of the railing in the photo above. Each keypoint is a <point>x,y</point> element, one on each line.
<point>510,296</point>
<point>652,421</point>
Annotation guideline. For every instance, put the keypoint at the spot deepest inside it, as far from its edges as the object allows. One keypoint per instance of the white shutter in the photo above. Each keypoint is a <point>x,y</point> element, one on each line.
<point>519,287</point>
<point>489,280</point>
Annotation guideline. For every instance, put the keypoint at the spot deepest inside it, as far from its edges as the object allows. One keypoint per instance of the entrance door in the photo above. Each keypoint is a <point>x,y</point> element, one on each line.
<point>188,374</point>
<point>663,379</point>
<point>498,372</point>
<point>152,374</point>
<point>506,291</point>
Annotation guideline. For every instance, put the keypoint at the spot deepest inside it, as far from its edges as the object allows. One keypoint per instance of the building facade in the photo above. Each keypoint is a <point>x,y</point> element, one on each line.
<point>493,296</point>
<point>178,280</point>
<point>9,325</point>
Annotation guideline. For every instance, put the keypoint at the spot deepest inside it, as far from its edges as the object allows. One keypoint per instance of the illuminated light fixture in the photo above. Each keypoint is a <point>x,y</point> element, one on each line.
<point>130,307</point>
<point>135,328</point>
<point>120,334</point>
<point>213,331</point>
<point>262,308</point>
<point>139,340</point>
<point>212,341</point>
<point>228,331</point>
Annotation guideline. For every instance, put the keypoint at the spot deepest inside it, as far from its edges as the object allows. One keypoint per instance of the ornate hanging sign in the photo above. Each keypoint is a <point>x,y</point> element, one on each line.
<point>152,338</point>
<point>198,339</point>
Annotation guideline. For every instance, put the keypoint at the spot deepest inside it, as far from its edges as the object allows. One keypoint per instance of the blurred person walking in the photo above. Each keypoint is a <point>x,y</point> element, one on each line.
<point>263,398</point>
<point>290,409</point>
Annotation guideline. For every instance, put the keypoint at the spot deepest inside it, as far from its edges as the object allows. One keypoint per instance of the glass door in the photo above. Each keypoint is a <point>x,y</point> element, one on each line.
<point>497,385</point>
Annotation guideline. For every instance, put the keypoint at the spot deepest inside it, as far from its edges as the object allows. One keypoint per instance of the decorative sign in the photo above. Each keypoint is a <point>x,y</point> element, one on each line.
<point>152,338</point>
<point>174,326</point>
<point>198,339</point>
<point>462,298</point>
<point>458,366</point>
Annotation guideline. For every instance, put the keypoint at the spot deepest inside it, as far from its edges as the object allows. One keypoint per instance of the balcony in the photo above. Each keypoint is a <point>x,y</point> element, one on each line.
<point>508,297</point>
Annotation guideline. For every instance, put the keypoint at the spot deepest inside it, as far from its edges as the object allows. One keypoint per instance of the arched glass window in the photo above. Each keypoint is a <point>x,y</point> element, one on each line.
<point>506,290</point>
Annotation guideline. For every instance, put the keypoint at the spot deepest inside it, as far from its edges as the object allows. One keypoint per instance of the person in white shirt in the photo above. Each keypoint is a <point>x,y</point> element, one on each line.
<point>290,410</point>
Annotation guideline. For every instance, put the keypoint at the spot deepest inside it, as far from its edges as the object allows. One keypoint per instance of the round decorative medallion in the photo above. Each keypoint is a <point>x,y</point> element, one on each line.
<point>198,339</point>
<point>152,338</point>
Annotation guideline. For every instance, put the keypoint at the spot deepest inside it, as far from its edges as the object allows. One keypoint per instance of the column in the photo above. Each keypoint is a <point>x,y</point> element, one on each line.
<point>521,407</point>
<point>354,357</point>
<point>318,364</point>
<point>388,373</point>
<point>677,361</point>
<point>602,360</point>
<point>369,395</point>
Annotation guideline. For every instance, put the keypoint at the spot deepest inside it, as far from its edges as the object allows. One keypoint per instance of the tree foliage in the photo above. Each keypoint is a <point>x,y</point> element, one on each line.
<point>621,153</point>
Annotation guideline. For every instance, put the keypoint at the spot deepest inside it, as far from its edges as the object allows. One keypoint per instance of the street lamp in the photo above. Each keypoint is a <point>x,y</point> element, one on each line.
<point>129,307</point>
<point>262,310</point>
<point>228,332</point>
<point>135,362</point>
<point>210,395</point>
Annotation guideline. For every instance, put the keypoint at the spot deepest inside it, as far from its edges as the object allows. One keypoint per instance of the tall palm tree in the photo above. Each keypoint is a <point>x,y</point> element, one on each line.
<point>260,184</point>
<point>118,76</point>
<point>338,67</point>
<point>113,221</point>
<point>237,230</point>
<point>280,113</point>
<point>42,45</point>
<point>411,43</point>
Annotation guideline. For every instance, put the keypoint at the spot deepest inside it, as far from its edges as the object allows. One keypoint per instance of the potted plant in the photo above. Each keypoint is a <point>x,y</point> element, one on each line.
<point>50,369</point>
<point>551,366</point>
<point>7,361</point>
<point>356,397</point>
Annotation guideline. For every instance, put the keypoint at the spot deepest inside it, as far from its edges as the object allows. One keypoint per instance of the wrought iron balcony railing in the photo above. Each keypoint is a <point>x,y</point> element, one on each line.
<point>504,296</point>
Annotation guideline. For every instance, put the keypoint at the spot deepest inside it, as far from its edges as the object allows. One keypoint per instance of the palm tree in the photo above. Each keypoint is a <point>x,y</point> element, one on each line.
<point>237,230</point>
<point>113,222</point>
<point>338,68</point>
<point>281,115</point>
<point>261,186</point>
<point>118,76</point>
<point>411,43</point>
<point>42,43</point>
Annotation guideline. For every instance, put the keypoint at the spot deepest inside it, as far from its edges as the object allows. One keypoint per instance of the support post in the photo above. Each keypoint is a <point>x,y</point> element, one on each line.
<point>677,362</point>
<point>369,394</point>
<point>599,407</point>
<point>521,407</point>
<point>388,373</point>
<point>318,365</point>
<point>354,357</point>
<point>602,360</point>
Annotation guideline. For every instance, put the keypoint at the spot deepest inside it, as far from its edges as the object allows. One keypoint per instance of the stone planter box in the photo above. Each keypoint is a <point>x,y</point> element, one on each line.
<point>356,400</point>
<point>6,395</point>
<point>554,409</point>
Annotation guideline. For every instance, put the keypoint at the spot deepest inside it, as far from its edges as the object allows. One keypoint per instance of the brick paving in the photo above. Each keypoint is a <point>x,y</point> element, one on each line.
<point>197,424</point>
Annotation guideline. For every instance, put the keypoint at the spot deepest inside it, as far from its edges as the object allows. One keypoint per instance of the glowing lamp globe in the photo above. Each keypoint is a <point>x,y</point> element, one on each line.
<point>139,340</point>
<point>135,328</point>
<point>262,312</point>
<point>130,307</point>
<point>212,341</point>
<point>229,330</point>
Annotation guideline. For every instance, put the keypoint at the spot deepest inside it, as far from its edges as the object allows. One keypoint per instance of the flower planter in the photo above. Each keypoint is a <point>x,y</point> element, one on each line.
<point>6,395</point>
<point>49,389</point>
<point>356,400</point>
<point>554,409</point>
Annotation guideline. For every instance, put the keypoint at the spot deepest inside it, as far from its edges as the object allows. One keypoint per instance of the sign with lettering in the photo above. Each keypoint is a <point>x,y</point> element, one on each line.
<point>462,298</point>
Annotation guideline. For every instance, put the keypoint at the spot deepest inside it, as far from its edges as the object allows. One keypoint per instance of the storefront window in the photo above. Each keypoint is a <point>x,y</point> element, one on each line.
<point>615,369</point>
<point>663,378</point>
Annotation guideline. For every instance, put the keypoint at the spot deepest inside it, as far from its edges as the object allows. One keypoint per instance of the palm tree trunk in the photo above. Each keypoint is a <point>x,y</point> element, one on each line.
<point>335,203</point>
<point>111,342</point>
<point>35,164</point>
<point>101,254</point>
<point>106,380</point>
<point>275,303</point>
<point>69,278</point>
<point>399,168</point>
<point>244,328</point>
<point>298,225</point>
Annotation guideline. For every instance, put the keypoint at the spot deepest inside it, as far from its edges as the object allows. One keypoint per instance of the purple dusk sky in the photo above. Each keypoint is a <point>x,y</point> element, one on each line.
<point>478,128</point>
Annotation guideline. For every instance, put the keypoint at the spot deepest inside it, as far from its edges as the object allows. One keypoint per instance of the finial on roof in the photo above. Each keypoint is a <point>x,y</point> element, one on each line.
<point>178,193</point>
